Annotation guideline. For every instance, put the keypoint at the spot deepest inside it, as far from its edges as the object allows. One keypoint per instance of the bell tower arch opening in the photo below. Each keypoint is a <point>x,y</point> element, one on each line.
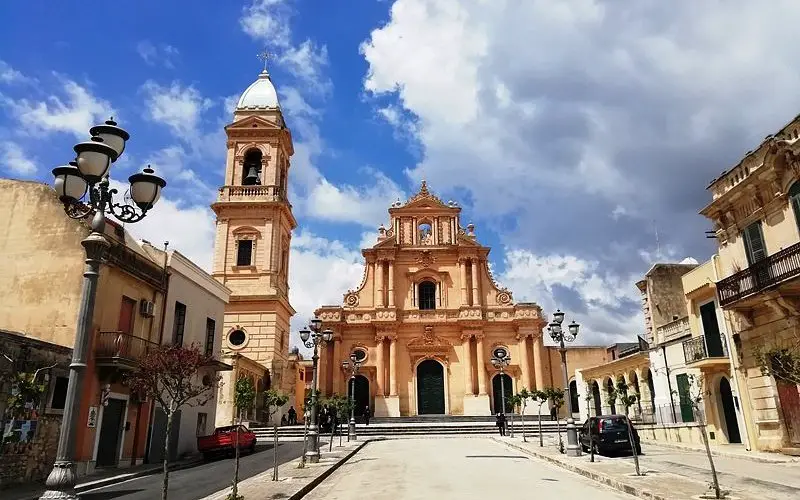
<point>251,171</point>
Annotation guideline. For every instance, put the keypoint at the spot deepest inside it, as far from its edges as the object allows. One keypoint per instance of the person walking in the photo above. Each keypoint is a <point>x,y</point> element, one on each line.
<point>366,415</point>
<point>553,413</point>
<point>292,415</point>
<point>499,422</point>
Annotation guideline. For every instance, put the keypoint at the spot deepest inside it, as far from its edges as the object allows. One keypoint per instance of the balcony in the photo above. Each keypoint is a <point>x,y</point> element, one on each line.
<point>764,274</point>
<point>701,351</point>
<point>251,193</point>
<point>674,330</point>
<point>120,349</point>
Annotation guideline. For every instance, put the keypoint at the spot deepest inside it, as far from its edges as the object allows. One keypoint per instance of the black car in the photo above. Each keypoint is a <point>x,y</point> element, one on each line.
<point>609,434</point>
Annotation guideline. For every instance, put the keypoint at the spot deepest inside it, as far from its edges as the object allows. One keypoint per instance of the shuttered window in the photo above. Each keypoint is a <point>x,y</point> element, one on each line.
<point>754,243</point>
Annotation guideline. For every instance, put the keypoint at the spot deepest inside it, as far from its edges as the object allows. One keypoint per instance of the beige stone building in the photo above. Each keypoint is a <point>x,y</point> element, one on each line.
<point>755,209</point>
<point>254,224</point>
<point>426,318</point>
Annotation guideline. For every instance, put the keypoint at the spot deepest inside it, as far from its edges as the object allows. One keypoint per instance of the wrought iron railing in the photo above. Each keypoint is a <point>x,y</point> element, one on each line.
<point>699,348</point>
<point>121,346</point>
<point>763,274</point>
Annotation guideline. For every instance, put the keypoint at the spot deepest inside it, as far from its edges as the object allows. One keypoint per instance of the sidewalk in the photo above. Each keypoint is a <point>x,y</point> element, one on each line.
<point>293,482</point>
<point>673,475</point>
<point>729,451</point>
<point>32,491</point>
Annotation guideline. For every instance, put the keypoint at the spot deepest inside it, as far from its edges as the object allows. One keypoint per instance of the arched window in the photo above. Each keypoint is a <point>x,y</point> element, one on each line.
<point>427,295</point>
<point>794,200</point>
<point>251,169</point>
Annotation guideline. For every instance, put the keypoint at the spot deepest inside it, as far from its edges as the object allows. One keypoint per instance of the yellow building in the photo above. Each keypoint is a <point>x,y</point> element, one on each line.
<point>426,318</point>
<point>755,210</point>
<point>254,223</point>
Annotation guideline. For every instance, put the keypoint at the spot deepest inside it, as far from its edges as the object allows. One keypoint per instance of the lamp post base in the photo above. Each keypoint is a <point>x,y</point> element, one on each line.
<point>312,445</point>
<point>351,430</point>
<point>61,482</point>
<point>573,447</point>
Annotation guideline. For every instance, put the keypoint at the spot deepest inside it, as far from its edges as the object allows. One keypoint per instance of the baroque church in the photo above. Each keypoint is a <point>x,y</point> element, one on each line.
<point>426,319</point>
<point>254,224</point>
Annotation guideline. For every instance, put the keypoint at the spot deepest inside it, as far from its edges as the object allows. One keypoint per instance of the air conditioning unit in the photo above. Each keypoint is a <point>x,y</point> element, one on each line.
<point>147,308</point>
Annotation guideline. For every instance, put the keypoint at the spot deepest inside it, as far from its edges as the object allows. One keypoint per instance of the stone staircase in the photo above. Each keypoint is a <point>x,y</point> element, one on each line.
<point>422,425</point>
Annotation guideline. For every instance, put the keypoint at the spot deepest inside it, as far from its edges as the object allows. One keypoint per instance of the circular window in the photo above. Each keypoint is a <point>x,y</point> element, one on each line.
<point>500,352</point>
<point>236,338</point>
<point>361,355</point>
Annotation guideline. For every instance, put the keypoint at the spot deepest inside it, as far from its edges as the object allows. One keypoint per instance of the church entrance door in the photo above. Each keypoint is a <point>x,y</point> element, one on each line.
<point>360,388</point>
<point>430,388</point>
<point>508,386</point>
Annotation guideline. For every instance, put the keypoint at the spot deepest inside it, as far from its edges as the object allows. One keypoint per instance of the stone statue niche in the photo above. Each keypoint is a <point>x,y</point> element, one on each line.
<point>425,234</point>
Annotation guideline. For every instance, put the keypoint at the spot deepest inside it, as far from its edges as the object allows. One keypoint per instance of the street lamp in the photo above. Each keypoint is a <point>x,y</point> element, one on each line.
<point>559,336</point>
<point>353,365</point>
<point>500,359</point>
<point>83,188</point>
<point>312,337</point>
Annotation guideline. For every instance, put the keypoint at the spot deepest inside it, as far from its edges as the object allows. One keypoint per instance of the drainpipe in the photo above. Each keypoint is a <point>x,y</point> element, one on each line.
<point>160,341</point>
<point>734,368</point>
<point>669,384</point>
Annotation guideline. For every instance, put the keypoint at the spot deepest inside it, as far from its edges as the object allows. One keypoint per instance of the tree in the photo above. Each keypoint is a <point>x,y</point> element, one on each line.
<point>244,396</point>
<point>627,401</point>
<point>589,398</point>
<point>169,375</point>
<point>780,362</point>
<point>273,399</point>
<point>695,397</point>
<point>540,397</point>
<point>556,397</point>
<point>520,400</point>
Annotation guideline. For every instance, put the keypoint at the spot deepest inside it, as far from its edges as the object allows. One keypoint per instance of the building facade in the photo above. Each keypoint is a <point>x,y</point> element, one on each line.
<point>254,224</point>
<point>426,318</point>
<point>755,209</point>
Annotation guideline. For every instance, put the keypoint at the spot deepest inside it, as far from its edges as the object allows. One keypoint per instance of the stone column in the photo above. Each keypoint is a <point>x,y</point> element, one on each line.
<point>466,351</point>
<point>644,396</point>
<point>522,349</point>
<point>476,299</point>
<point>393,366</point>
<point>481,362</point>
<point>379,367</point>
<point>337,365</point>
<point>378,283</point>
<point>538,361</point>
<point>391,283</point>
<point>604,398</point>
<point>462,264</point>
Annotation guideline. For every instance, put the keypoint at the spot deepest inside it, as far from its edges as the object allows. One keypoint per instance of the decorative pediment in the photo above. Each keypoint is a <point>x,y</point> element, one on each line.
<point>252,122</point>
<point>429,343</point>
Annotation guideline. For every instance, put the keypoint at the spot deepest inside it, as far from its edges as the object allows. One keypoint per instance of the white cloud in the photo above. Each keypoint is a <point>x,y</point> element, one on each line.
<point>74,114</point>
<point>178,107</point>
<point>607,298</point>
<point>153,54</point>
<point>10,75</point>
<point>307,62</point>
<point>267,20</point>
<point>15,160</point>
<point>365,205</point>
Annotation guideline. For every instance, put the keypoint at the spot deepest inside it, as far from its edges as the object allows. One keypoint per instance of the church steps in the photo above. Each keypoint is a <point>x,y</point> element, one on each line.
<point>412,428</point>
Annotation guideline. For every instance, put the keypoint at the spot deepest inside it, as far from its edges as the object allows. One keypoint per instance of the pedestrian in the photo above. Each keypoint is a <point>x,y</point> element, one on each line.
<point>366,415</point>
<point>284,420</point>
<point>292,416</point>
<point>553,413</point>
<point>499,424</point>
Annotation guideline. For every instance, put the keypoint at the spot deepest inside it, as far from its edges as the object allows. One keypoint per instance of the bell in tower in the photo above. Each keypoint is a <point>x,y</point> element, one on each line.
<point>252,168</point>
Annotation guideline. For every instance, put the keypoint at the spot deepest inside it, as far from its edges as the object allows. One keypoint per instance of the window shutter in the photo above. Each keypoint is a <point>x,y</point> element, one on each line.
<point>754,243</point>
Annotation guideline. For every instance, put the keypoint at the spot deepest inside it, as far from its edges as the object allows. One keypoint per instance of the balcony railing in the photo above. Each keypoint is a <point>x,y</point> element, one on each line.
<point>121,348</point>
<point>127,259</point>
<point>674,329</point>
<point>763,274</point>
<point>252,193</point>
<point>700,348</point>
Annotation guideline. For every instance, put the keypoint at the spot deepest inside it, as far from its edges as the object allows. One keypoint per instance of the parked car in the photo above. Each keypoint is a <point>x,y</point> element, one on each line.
<point>223,440</point>
<point>609,433</point>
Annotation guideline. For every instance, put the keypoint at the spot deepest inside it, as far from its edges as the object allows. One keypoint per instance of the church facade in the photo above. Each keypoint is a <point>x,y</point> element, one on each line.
<point>426,318</point>
<point>254,224</point>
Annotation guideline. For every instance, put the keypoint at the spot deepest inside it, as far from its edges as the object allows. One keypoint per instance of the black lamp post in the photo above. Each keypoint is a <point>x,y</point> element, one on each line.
<point>353,365</point>
<point>83,188</point>
<point>500,359</point>
<point>559,336</point>
<point>312,337</point>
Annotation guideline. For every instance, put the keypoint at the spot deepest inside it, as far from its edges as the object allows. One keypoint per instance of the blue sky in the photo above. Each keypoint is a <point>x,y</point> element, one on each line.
<point>571,132</point>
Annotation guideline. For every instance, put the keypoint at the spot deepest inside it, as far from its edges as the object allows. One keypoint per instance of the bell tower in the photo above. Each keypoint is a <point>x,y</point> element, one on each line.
<point>254,224</point>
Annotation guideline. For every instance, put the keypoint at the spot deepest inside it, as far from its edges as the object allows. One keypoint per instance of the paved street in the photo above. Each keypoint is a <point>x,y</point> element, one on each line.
<point>411,469</point>
<point>199,481</point>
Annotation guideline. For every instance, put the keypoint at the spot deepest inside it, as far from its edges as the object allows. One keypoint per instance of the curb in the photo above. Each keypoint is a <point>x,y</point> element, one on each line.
<point>305,490</point>
<point>723,453</point>
<point>600,478</point>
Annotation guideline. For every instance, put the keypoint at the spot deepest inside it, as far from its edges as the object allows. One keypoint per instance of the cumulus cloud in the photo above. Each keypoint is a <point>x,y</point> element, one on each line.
<point>268,21</point>
<point>16,160</point>
<point>177,106</point>
<point>157,54</point>
<point>10,75</point>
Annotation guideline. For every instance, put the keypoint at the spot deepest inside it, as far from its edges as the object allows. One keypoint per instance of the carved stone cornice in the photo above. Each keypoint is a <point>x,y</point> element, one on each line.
<point>466,336</point>
<point>379,339</point>
<point>479,336</point>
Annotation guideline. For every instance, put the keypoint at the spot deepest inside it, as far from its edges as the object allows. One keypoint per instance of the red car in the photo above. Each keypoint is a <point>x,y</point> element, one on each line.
<point>224,441</point>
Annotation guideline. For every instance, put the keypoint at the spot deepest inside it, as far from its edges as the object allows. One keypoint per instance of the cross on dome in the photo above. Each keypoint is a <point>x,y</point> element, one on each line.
<point>264,56</point>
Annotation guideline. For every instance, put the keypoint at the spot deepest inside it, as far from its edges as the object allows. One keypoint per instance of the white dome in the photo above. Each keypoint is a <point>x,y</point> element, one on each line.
<point>260,94</point>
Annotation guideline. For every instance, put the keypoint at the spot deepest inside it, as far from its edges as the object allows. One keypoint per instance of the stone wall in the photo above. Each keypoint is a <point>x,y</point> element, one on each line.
<point>30,462</point>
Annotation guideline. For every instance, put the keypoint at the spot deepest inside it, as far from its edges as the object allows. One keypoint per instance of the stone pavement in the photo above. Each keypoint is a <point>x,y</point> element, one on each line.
<point>451,468</point>
<point>729,451</point>
<point>672,474</point>
<point>294,482</point>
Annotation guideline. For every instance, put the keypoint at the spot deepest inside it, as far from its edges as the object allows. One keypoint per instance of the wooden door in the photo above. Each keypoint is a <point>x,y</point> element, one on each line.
<point>126,315</point>
<point>789,395</point>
